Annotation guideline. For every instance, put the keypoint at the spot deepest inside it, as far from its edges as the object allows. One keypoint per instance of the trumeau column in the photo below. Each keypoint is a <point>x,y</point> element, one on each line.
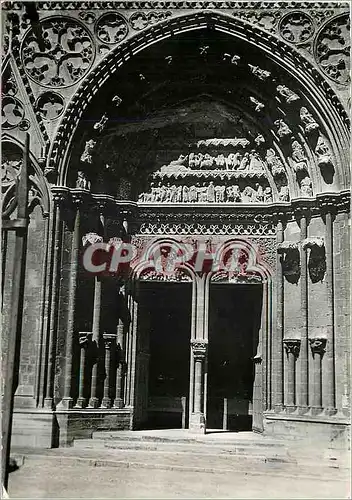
<point>67,401</point>
<point>279,327</point>
<point>197,420</point>
<point>292,351</point>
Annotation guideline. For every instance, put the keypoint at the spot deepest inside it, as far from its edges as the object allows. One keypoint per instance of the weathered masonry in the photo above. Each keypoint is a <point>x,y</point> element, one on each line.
<point>215,124</point>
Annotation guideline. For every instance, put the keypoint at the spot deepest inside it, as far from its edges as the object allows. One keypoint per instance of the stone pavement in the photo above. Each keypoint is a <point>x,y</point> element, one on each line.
<point>173,464</point>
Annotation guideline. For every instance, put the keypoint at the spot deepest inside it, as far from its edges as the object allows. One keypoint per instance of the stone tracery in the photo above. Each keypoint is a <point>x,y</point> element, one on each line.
<point>64,55</point>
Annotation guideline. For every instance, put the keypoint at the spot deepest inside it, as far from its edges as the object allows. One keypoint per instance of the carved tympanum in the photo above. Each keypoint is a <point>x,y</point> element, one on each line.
<point>63,55</point>
<point>231,175</point>
<point>332,49</point>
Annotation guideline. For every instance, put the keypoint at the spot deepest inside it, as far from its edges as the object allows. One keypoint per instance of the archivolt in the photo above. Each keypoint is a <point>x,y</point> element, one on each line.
<point>317,92</point>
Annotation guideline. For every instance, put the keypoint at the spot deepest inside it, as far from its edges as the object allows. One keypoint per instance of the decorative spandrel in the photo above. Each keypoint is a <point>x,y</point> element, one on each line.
<point>63,54</point>
<point>215,171</point>
<point>111,28</point>
<point>296,27</point>
<point>332,49</point>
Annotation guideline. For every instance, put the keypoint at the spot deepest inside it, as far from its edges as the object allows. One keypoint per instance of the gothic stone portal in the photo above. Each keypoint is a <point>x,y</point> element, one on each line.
<point>198,121</point>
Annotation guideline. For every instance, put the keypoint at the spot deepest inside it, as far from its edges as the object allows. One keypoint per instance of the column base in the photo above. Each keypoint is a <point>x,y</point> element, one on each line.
<point>197,423</point>
<point>81,403</point>
<point>49,403</point>
<point>118,403</point>
<point>302,410</point>
<point>330,411</point>
<point>106,403</point>
<point>65,404</point>
<point>93,403</point>
<point>290,408</point>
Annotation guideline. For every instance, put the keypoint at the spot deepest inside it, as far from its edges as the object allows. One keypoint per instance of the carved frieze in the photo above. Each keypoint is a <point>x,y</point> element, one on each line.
<point>226,277</point>
<point>178,276</point>
<point>184,228</point>
<point>332,49</point>
<point>140,20</point>
<point>235,176</point>
<point>62,56</point>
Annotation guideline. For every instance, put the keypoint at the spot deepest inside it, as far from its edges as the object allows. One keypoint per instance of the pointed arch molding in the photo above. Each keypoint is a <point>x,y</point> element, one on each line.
<point>313,85</point>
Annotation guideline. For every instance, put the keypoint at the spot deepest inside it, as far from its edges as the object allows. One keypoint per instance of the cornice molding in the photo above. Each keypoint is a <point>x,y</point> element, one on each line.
<point>179,4</point>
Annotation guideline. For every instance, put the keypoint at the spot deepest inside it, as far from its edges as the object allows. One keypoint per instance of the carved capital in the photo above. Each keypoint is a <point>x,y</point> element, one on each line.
<point>80,197</point>
<point>302,209</point>
<point>313,243</point>
<point>287,247</point>
<point>200,348</point>
<point>328,204</point>
<point>292,346</point>
<point>91,239</point>
<point>59,194</point>
<point>109,340</point>
<point>84,339</point>
<point>317,345</point>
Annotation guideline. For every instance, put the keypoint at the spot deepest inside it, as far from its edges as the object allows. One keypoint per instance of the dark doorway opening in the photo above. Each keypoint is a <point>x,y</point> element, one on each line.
<point>169,331</point>
<point>234,323</point>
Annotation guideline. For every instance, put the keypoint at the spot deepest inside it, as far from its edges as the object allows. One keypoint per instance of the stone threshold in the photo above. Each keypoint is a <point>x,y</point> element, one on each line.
<point>333,419</point>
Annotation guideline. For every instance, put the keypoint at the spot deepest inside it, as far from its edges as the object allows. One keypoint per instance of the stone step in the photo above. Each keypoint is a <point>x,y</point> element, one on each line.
<point>223,439</point>
<point>176,461</point>
<point>185,448</point>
